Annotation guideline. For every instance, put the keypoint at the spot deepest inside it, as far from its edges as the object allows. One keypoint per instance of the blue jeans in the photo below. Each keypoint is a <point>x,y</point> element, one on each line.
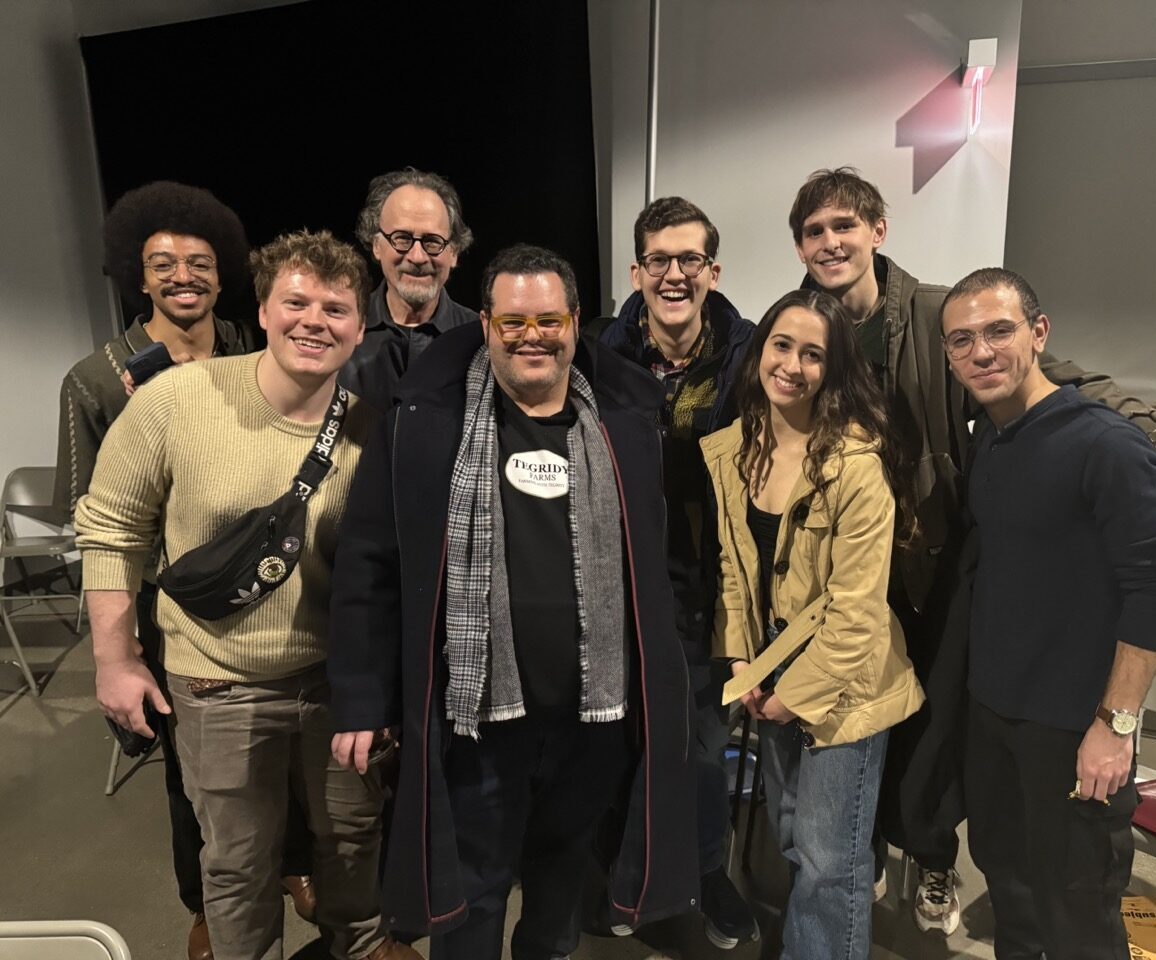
<point>822,803</point>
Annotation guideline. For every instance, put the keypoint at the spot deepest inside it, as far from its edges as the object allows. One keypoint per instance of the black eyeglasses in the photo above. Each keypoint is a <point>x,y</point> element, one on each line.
<point>960,343</point>
<point>165,266</point>
<point>691,264</point>
<point>402,241</point>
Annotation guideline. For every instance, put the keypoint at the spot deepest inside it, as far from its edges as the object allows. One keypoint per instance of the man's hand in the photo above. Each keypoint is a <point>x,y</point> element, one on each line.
<point>1103,762</point>
<point>352,748</point>
<point>122,687</point>
<point>130,384</point>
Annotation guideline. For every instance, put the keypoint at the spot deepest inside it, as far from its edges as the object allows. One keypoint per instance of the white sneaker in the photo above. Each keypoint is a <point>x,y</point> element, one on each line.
<point>936,902</point>
<point>881,887</point>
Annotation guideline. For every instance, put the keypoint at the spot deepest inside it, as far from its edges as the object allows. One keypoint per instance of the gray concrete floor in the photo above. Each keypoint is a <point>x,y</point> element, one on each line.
<point>70,852</point>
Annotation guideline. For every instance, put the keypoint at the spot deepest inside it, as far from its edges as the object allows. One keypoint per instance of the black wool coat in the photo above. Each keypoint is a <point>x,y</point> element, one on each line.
<point>387,617</point>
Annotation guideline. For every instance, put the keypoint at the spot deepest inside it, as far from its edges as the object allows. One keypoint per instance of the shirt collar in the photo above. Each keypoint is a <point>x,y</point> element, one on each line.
<point>658,362</point>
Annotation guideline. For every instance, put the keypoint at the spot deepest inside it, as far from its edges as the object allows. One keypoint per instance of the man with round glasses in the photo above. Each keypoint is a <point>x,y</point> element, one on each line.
<point>1063,494</point>
<point>838,222</point>
<point>171,248</point>
<point>412,225</point>
<point>681,330</point>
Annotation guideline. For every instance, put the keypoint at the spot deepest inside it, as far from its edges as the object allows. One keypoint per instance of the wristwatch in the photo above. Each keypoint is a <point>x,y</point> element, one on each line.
<point>1120,722</point>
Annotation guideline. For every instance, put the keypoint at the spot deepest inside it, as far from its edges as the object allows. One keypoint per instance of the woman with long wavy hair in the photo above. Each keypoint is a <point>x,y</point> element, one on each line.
<point>806,481</point>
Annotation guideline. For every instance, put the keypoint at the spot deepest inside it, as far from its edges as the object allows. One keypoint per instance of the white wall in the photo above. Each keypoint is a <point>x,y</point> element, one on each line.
<point>1078,31</point>
<point>53,300</point>
<point>1082,199</point>
<point>754,96</point>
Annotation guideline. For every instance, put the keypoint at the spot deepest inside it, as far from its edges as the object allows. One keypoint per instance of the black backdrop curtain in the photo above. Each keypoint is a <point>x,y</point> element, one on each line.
<point>287,113</point>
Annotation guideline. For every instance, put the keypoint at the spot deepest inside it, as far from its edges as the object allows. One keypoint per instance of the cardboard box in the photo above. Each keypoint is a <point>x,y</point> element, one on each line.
<point>1140,922</point>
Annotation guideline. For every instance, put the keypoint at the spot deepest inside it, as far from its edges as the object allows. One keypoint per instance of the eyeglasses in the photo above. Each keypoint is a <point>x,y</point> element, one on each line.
<point>402,241</point>
<point>165,266</point>
<point>959,343</point>
<point>511,329</point>
<point>691,264</point>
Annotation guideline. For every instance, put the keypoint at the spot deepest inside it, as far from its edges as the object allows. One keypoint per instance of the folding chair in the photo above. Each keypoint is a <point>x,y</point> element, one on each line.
<point>61,940</point>
<point>26,502</point>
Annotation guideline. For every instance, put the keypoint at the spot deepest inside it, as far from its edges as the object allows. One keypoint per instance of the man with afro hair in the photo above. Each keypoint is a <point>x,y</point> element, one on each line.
<point>171,249</point>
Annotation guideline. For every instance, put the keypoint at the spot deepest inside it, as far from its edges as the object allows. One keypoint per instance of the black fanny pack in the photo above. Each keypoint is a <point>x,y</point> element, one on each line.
<point>256,553</point>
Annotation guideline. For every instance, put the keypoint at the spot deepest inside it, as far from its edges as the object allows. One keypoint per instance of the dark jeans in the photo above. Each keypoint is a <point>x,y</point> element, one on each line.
<point>934,847</point>
<point>526,799</point>
<point>712,733</point>
<point>186,832</point>
<point>1055,868</point>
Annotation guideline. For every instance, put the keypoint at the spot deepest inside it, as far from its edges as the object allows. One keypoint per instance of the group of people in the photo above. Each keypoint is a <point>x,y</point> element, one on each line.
<point>549,556</point>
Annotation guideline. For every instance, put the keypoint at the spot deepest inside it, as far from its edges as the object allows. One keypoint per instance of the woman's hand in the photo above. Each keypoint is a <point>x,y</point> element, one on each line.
<point>772,708</point>
<point>752,700</point>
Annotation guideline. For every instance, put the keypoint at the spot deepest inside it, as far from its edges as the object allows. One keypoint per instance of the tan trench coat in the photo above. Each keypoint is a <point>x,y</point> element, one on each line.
<point>853,679</point>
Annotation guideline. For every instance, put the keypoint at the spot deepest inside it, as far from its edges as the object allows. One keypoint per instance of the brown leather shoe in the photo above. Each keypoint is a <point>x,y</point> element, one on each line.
<point>304,896</point>
<point>199,946</point>
<point>390,949</point>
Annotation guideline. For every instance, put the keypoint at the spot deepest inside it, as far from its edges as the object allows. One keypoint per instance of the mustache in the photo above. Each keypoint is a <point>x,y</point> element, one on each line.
<point>417,270</point>
<point>170,289</point>
<point>546,346</point>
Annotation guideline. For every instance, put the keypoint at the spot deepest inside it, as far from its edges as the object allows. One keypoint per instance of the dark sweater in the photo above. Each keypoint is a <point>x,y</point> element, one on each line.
<point>92,397</point>
<point>1065,502</point>
<point>706,399</point>
<point>387,350</point>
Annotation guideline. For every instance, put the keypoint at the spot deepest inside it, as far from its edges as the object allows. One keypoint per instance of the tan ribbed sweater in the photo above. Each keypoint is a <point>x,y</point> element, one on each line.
<point>195,448</point>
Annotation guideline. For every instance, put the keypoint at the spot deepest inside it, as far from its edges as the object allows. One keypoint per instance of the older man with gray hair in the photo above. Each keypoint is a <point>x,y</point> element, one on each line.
<point>412,225</point>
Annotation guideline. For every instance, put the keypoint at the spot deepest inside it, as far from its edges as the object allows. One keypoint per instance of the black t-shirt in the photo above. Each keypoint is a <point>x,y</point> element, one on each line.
<point>533,470</point>
<point>764,528</point>
<point>872,332</point>
<point>870,335</point>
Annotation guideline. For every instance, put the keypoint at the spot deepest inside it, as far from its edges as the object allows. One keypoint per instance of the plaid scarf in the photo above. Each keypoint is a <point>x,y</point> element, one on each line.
<point>484,684</point>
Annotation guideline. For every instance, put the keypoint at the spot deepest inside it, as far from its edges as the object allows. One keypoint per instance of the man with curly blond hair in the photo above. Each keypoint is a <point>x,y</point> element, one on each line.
<point>197,447</point>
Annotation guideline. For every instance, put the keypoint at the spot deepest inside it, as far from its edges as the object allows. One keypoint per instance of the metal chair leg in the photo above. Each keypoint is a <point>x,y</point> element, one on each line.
<point>909,874</point>
<point>110,785</point>
<point>33,686</point>
<point>741,772</point>
<point>753,804</point>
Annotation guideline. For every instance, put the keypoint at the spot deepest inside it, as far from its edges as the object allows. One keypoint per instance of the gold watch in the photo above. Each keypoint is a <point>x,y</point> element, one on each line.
<point>1120,722</point>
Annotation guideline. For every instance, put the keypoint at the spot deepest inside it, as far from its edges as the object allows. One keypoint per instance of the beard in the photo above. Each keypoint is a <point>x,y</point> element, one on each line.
<point>417,295</point>
<point>521,383</point>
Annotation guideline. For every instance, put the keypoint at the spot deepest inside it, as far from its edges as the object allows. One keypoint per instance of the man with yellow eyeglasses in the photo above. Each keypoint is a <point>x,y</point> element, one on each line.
<point>501,609</point>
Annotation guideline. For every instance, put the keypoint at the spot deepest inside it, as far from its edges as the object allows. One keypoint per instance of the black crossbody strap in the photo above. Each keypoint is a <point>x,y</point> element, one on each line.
<point>316,466</point>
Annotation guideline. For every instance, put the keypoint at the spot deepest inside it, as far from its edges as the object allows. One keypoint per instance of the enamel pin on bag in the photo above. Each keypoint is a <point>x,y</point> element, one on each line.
<point>257,552</point>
